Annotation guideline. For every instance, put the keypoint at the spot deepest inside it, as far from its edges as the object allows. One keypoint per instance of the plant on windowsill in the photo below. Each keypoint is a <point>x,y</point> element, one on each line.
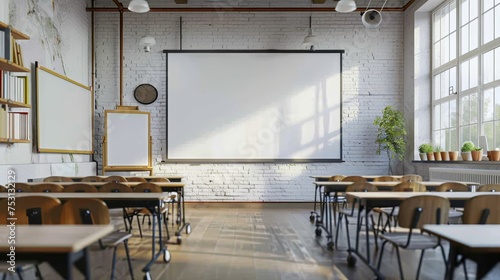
<point>423,150</point>
<point>477,154</point>
<point>466,149</point>
<point>437,153</point>
<point>391,134</point>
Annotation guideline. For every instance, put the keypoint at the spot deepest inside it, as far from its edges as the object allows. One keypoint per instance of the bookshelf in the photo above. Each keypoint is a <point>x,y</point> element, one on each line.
<point>15,108</point>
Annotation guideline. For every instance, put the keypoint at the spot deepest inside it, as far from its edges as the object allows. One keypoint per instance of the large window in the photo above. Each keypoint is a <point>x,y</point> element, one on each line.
<point>466,73</point>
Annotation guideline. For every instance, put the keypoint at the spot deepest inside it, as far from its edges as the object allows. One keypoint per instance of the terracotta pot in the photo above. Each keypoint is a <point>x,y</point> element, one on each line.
<point>495,155</point>
<point>430,156</point>
<point>477,155</point>
<point>423,156</point>
<point>437,156</point>
<point>453,155</point>
<point>466,156</point>
<point>444,156</point>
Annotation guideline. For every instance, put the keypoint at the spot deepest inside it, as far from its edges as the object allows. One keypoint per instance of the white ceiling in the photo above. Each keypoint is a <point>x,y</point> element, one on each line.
<point>251,3</point>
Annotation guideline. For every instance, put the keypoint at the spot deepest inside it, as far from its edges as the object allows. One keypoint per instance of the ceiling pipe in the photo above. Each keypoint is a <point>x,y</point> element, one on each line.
<point>120,9</point>
<point>242,9</point>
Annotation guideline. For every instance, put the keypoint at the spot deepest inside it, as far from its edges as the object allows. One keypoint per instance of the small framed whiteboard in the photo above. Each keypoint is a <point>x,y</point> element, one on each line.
<point>127,141</point>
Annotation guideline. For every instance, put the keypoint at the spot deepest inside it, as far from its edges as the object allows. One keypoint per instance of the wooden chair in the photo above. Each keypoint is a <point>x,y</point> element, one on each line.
<point>115,179</point>
<point>482,209</point>
<point>152,188</point>
<point>31,210</point>
<point>409,186</point>
<point>57,179</point>
<point>92,179</point>
<point>159,179</point>
<point>354,179</point>
<point>47,187</point>
<point>454,215</point>
<point>411,178</point>
<point>385,179</point>
<point>489,188</point>
<point>128,213</point>
<point>136,179</point>
<point>22,187</point>
<point>336,178</point>
<point>80,187</point>
<point>414,213</point>
<point>90,211</point>
<point>352,211</point>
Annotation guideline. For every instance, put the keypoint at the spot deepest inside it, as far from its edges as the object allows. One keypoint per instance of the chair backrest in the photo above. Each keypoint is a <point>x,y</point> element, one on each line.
<point>411,178</point>
<point>147,187</point>
<point>385,179</point>
<point>115,187</point>
<point>92,179</point>
<point>482,209</point>
<point>452,187</point>
<point>22,187</point>
<point>57,179</point>
<point>136,179</point>
<point>32,210</point>
<point>159,179</point>
<point>354,179</point>
<point>115,179</point>
<point>80,187</point>
<point>336,178</point>
<point>360,187</point>
<point>489,188</point>
<point>47,187</point>
<point>416,211</point>
<point>409,187</point>
<point>82,211</point>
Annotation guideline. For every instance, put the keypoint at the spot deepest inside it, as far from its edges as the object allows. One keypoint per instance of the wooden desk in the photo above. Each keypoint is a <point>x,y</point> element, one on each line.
<point>368,200</point>
<point>152,201</point>
<point>341,186</point>
<point>368,177</point>
<point>62,246</point>
<point>172,178</point>
<point>480,243</point>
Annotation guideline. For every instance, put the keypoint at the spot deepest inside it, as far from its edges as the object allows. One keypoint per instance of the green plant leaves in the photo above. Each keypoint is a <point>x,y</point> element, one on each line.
<point>391,133</point>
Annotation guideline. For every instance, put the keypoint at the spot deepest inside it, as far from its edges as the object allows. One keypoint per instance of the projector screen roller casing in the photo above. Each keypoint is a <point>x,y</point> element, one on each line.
<point>255,106</point>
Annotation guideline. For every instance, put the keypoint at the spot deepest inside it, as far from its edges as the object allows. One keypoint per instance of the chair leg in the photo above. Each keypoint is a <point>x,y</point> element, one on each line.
<point>347,231</point>
<point>125,244</point>
<point>420,263</point>
<point>339,221</point>
<point>113,264</point>
<point>139,225</point>
<point>165,222</point>
<point>399,263</point>
<point>38,273</point>
<point>375,233</point>
<point>381,254</point>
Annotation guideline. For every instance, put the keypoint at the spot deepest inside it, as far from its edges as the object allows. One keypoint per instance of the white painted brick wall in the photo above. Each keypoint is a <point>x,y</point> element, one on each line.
<point>372,79</point>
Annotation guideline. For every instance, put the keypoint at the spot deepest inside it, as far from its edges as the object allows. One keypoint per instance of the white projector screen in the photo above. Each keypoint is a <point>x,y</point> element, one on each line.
<point>255,106</point>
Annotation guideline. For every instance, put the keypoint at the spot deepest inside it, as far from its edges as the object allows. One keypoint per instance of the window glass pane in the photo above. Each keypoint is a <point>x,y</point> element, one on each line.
<point>497,103</point>
<point>453,79</point>
<point>497,64</point>
<point>497,21</point>
<point>437,54</point>
<point>445,82</point>
<point>473,6</point>
<point>453,17</point>
<point>487,4</point>
<point>473,108</point>
<point>473,72</point>
<point>474,135</point>
<point>445,115</point>
<point>488,106</point>
<point>465,12</point>
<point>488,27</point>
<point>445,28</point>
<point>465,132</point>
<point>442,141</point>
<point>488,67</point>
<point>464,76</point>
<point>453,140</point>
<point>473,34</point>
<point>489,132</point>
<point>465,39</point>
<point>453,113</point>
<point>497,135</point>
<point>437,86</point>
<point>437,115</point>
<point>444,50</point>
<point>437,27</point>
<point>465,116</point>
<point>453,46</point>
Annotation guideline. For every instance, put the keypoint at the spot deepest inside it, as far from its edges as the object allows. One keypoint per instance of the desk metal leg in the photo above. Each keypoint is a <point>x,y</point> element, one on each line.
<point>157,218</point>
<point>184,224</point>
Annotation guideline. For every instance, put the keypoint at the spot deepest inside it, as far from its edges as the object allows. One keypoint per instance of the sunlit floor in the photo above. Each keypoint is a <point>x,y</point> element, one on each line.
<point>254,241</point>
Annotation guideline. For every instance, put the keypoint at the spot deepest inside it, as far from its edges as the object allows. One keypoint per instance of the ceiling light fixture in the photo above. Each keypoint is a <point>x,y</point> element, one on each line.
<point>345,6</point>
<point>310,40</point>
<point>138,6</point>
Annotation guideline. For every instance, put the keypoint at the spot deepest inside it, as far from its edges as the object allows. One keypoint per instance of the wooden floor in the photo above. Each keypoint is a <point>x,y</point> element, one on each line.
<point>255,241</point>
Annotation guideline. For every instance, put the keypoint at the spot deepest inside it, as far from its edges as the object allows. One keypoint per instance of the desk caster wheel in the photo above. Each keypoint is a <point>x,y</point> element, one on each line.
<point>329,245</point>
<point>312,218</point>
<point>166,256</point>
<point>188,229</point>
<point>148,276</point>
<point>318,232</point>
<point>351,261</point>
<point>179,240</point>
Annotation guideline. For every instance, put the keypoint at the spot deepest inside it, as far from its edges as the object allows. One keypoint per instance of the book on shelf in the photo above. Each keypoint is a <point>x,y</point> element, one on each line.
<point>1,84</point>
<point>2,44</point>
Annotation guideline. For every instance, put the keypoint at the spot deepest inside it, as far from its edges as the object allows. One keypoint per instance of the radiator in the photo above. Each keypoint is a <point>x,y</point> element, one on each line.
<point>482,176</point>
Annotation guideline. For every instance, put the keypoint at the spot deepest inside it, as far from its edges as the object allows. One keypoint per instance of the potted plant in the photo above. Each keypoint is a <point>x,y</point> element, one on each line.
<point>494,155</point>
<point>423,150</point>
<point>391,134</point>
<point>466,149</point>
<point>444,156</point>
<point>453,155</point>
<point>477,154</point>
<point>437,153</point>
